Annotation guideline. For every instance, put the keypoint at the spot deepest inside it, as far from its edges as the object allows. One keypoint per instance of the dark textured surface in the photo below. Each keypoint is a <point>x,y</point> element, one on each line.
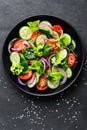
<point>67,111</point>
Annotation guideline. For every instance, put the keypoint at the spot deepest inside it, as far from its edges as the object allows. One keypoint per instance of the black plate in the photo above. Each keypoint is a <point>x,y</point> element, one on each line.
<point>68,29</point>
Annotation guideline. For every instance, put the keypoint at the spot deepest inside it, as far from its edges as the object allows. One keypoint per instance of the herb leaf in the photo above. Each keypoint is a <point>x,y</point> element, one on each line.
<point>33,25</point>
<point>29,53</point>
<point>46,49</point>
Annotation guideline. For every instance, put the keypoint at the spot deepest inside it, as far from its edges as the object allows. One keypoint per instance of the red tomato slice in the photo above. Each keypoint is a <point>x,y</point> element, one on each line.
<point>34,35</point>
<point>58,29</point>
<point>19,44</point>
<point>30,61</point>
<point>71,59</point>
<point>26,76</point>
<point>56,48</point>
<point>52,42</point>
<point>41,88</point>
<point>42,85</point>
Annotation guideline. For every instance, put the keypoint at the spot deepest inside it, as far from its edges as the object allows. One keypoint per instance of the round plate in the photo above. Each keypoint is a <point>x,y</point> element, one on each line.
<point>68,29</point>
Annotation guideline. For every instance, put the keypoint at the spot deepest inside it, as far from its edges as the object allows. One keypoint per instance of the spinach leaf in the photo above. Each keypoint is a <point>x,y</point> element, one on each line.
<point>29,53</point>
<point>46,49</point>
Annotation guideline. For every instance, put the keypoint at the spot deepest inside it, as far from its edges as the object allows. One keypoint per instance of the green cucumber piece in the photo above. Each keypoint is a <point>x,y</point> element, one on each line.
<point>66,39</point>
<point>63,53</point>
<point>37,78</point>
<point>54,68</point>
<point>52,84</point>
<point>69,72</point>
<point>53,59</point>
<point>40,41</point>
<point>25,32</point>
<point>15,58</point>
<point>45,27</point>
<point>32,85</point>
<point>55,35</point>
<point>73,44</point>
<point>46,22</point>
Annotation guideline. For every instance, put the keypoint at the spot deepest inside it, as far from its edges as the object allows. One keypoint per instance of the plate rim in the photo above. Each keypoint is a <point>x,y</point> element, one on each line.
<point>40,94</point>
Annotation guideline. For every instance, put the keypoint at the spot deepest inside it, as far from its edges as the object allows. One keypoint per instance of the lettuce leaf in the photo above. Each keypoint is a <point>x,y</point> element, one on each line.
<point>37,66</point>
<point>33,25</point>
<point>16,69</point>
<point>55,76</point>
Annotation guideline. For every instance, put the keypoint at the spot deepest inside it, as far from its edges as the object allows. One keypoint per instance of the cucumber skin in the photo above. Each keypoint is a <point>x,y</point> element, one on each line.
<point>67,39</point>
<point>52,86</point>
<point>32,85</point>
<point>39,40</point>
<point>12,58</point>
<point>69,72</point>
<point>46,22</point>
<point>21,32</point>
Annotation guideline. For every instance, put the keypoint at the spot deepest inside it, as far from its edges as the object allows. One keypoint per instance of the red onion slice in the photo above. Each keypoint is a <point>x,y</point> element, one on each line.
<point>11,44</point>
<point>17,50</point>
<point>26,43</point>
<point>45,61</point>
<point>30,81</point>
<point>20,82</point>
<point>47,26</point>
<point>50,57</point>
<point>67,48</point>
<point>65,76</point>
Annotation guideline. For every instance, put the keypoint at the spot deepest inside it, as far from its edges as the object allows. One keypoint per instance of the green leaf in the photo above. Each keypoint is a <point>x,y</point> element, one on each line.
<point>34,25</point>
<point>16,69</point>
<point>29,53</point>
<point>46,49</point>
<point>55,76</point>
<point>38,52</point>
<point>37,66</point>
<point>23,62</point>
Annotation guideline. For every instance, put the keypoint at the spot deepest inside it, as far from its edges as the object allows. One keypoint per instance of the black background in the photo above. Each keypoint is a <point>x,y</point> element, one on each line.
<point>67,111</point>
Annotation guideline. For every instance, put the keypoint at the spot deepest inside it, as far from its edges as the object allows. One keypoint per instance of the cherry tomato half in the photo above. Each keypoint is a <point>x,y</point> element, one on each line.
<point>26,76</point>
<point>71,59</point>
<point>58,29</point>
<point>34,35</point>
<point>20,44</point>
<point>52,42</point>
<point>42,85</point>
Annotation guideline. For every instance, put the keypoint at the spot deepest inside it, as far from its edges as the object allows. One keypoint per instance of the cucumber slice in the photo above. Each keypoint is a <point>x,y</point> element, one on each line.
<point>53,84</point>
<point>25,32</point>
<point>63,53</point>
<point>40,41</point>
<point>73,44</point>
<point>54,68</point>
<point>45,27</point>
<point>55,35</point>
<point>66,39</point>
<point>53,59</point>
<point>37,78</point>
<point>33,84</point>
<point>15,58</point>
<point>46,22</point>
<point>31,43</point>
<point>69,72</point>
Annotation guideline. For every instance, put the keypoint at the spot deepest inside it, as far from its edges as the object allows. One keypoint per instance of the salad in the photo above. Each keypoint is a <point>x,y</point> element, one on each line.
<point>42,56</point>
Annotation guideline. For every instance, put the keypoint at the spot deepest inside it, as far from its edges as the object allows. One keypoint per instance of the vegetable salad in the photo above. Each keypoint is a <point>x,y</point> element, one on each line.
<point>43,56</point>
